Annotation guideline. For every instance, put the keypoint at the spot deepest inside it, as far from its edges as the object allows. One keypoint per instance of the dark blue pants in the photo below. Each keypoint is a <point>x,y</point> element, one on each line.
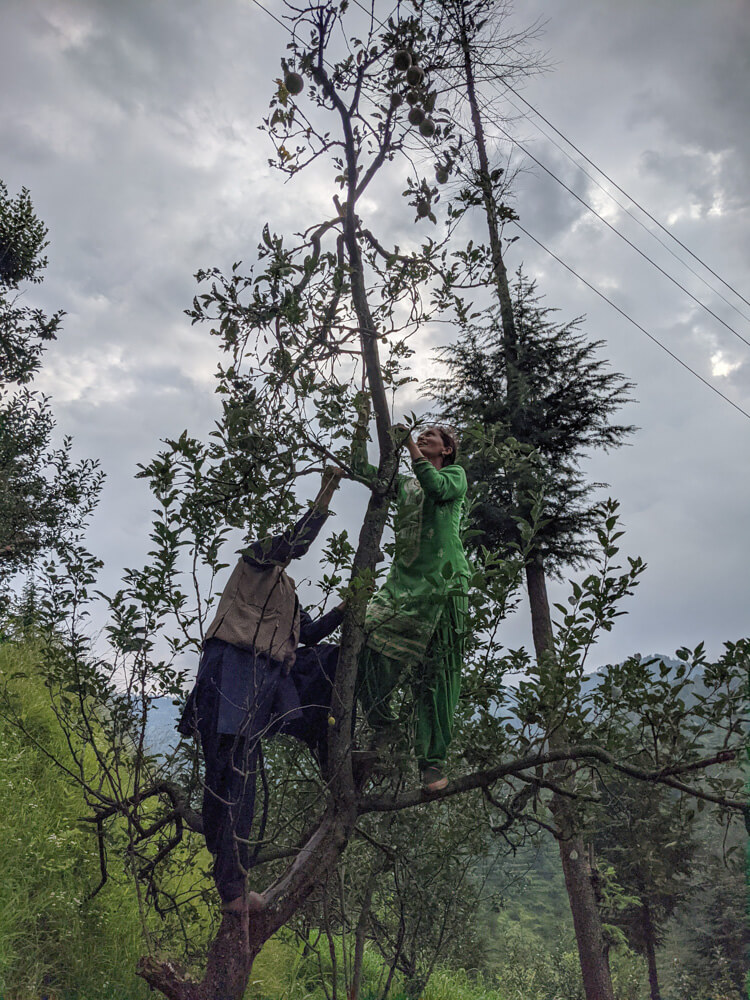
<point>297,705</point>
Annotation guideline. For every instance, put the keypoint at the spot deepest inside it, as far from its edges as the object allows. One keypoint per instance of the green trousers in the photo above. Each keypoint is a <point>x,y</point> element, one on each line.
<point>435,685</point>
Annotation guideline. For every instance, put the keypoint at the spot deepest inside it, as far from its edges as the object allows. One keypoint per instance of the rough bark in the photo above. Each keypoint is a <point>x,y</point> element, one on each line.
<point>489,201</point>
<point>650,948</point>
<point>587,922</point>
<point>541,619</point>
<point>592,949</point>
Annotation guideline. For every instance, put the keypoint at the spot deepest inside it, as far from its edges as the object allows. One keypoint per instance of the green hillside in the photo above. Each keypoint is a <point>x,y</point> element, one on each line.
<point>58,942</point>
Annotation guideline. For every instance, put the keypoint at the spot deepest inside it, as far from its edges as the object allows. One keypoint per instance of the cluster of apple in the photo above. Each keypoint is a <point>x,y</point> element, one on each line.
<point>418,96</point>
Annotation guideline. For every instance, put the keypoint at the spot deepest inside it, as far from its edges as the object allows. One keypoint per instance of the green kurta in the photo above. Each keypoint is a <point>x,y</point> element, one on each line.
<point>429,570</point>
<point>415,622</point>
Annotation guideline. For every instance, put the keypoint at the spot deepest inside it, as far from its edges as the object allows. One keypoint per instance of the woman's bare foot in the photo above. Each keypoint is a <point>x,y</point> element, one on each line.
<point>256,902</point>
<point>236,905</point>
<point>433,779</point>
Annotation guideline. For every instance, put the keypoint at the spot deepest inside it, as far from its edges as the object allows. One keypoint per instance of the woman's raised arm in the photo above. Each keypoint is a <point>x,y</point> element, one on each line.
<point>440,485</point>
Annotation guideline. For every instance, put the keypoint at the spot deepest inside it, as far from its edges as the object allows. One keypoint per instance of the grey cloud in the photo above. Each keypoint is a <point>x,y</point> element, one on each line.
<point>137,136</point>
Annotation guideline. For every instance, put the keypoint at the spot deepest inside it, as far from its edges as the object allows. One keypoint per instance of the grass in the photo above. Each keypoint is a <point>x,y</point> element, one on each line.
<point>57,942</point>
<point>54,940</point>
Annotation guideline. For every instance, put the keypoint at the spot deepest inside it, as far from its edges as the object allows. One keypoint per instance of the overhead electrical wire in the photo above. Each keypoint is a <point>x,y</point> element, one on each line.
<point>608,193</point>
<point>614,183</point>
<point>588,284</point>
<point>610,225</point>
<point>632,214</point>
<point>284,26</point>
<point>630,319</point>
<point>622,236</point>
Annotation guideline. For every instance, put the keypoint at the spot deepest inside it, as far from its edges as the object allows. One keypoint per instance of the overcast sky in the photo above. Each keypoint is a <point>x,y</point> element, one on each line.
<point>134,125</point>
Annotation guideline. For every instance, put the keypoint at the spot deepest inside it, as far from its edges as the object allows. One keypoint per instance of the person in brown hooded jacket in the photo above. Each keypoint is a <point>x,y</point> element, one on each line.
<point>248,687</point>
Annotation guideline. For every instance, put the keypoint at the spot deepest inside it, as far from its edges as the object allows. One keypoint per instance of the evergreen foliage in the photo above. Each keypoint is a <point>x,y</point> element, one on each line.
<point>44,495</point>
<point>23,330</point>
<point>566,396</point>
<point>650,841</point>
<point>706,948</point>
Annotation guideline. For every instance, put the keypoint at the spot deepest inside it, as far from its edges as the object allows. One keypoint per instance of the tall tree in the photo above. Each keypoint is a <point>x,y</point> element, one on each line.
<point>464,22</point>
<point>45,497</point>
<point>650,841</point>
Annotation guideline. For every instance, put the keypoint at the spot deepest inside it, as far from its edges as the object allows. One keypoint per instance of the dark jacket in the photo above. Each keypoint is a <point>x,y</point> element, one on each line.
<point>242,692</point>
<point>252,641</point>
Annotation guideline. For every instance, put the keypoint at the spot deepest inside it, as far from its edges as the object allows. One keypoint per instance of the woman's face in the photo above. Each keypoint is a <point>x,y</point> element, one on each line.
<point>430,443</point>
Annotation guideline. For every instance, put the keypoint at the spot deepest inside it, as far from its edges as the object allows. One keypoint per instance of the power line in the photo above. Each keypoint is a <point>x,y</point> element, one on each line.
<point>588,284</point>
<point>630,319</point>
<point>632,215</point>
<point>622,236</point>
<point>614,228</point>
<point>620,205</point>
<point>628,196</point>
<point>284,26</point>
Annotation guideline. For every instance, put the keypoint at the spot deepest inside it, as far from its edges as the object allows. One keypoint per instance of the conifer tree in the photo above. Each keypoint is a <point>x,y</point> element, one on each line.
<point>568,396</point>
<point>44,495</point>
<point>473,58</point>
<point>650,841</point>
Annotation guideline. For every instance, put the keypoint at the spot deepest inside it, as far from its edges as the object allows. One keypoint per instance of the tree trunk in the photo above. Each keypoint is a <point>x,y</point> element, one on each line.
<point>230,960</point>
<point>586,919</point>
<point>650,944</point>
<point>541,619</point>
<point>592,950</point>
<point>510,339</point>
<point>360,937</point>
<point>240,939</point>
<point>587,922</point>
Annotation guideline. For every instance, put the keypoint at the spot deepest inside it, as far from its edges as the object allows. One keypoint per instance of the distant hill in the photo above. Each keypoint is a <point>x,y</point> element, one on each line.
<point>162,737</point>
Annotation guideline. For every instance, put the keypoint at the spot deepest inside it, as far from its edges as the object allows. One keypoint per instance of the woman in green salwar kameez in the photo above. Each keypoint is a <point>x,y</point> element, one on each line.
<point>415,623</point>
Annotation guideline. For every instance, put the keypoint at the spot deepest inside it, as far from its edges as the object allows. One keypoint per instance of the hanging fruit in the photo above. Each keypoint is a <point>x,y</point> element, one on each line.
<point>402,59</point>
<point>423,208</point>
<point>412,97</point>
<point>416,116</point>
<point>294,83</point>
<point>414,76</point>
<point>396,100</point>
<point>427,128</point>
<point>441,174</point>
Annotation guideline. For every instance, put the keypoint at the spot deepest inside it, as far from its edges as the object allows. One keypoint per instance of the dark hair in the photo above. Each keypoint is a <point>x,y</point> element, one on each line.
<point>450,440</point>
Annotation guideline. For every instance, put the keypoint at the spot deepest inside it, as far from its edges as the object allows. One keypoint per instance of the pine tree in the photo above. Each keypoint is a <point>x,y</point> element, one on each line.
<point>566,397</point>
<point>44,495</point>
